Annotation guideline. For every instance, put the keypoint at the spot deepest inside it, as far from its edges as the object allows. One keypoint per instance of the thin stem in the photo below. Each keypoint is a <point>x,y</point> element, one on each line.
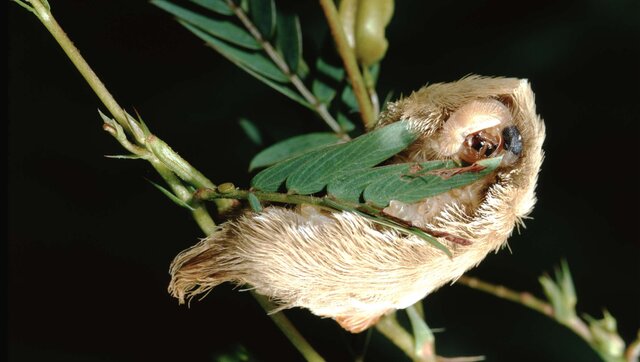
<point>424,341</point>
<point>371,89</point>
<point>289,330</point>
<point>200,214</point>
<point>527,300</point>
<point>500,291</point>
<point>44,15</point>
<point>390,328</point>
<point>350,63</point>
<point>318,106</point>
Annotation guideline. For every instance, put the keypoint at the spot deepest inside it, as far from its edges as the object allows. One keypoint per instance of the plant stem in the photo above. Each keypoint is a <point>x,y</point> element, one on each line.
<point>500,291</point>
<point>350,63</point>
<point>159,154</point>
<point>44,15</point>
<point>200,213</point>
<point>318,106</point>
<point>527,300</point>
<point>390,328</point>
<point>371,89</point>
<point>289,330</point>
<point>424,342</point>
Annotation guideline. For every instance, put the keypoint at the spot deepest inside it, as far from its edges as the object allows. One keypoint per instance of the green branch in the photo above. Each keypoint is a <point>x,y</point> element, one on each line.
<point>350,63</point>
<point>319,107</point>
<point>600,335</point>
<point>171,167</point>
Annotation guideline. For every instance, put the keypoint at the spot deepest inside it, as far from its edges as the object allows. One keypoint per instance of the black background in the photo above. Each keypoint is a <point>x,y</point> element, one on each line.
<point>90,240</point>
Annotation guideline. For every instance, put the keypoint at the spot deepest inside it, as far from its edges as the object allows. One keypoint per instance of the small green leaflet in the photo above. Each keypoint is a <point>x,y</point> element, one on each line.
<point>218,6</point>
<point>251,130</point>
<point>254,203</point>
<point>172,197</point>
<point>289,39</point>
<point>405,187</point>
<point>292,147</point>
<point>311,172</point>
<point>222,28</point>
<point>379,185</point>
<point>263,14</point>
<point>328,79</point>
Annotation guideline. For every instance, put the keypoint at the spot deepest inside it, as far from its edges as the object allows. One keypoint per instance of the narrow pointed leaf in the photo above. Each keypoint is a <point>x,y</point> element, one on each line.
<point>421,333</point>
<point>218,6</point>
<point>221,28</point>
<point>172,197</point>
<point>254,203</point>
<point>328,80</point>
<point>263,14</point>
<point>345,122</point>
<point>251,130</point>
<point>289,39</point>
<point>349,98</point>
<point>285,89</point>
<point>254,61</point>
<point>411,188</point>
<point>431,240</point>
<point>124,157</point>
<point>292,147</point>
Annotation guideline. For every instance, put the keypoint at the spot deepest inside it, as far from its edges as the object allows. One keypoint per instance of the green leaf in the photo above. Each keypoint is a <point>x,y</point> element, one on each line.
<point>310,172</point>
<point>218,6</point>
<point>421,333</point>
<point>221,28</point>
<point>254,61</point>
<point>328,79</point>
<point>124,157</point>
<point>172,197</point>
<point>349,99</point>
<point>289,39</point>
<point>287,90</point>
<point>431,240</point>
<point>365,151</point>
<point>561,294</point>
<point>349,187</point>
<point>403,186</point>
<point>254,202</point>
<point>292,147</point>
<point>251,130</point>
<point>263,14</point>
<point>345,122</point>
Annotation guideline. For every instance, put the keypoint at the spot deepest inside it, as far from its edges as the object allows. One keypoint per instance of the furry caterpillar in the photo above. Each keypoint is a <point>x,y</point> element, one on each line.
<point>341,265</point>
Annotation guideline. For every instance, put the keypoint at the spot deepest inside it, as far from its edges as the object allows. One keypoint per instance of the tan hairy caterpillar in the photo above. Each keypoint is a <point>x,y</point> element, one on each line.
<point>343,266</point>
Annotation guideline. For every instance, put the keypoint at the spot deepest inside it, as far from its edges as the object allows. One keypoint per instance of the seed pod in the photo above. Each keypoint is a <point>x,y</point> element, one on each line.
<point>341,265</point>
<point>371,20</point>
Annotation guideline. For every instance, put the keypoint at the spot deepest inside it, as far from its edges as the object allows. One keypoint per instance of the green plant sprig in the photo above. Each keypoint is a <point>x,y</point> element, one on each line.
<point>252,48</point>
<point>601,335</point>
<point>173,169</point>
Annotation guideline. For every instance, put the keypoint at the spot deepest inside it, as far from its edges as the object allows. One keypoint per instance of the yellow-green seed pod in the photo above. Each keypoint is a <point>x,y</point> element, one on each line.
<point>372,19</point>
